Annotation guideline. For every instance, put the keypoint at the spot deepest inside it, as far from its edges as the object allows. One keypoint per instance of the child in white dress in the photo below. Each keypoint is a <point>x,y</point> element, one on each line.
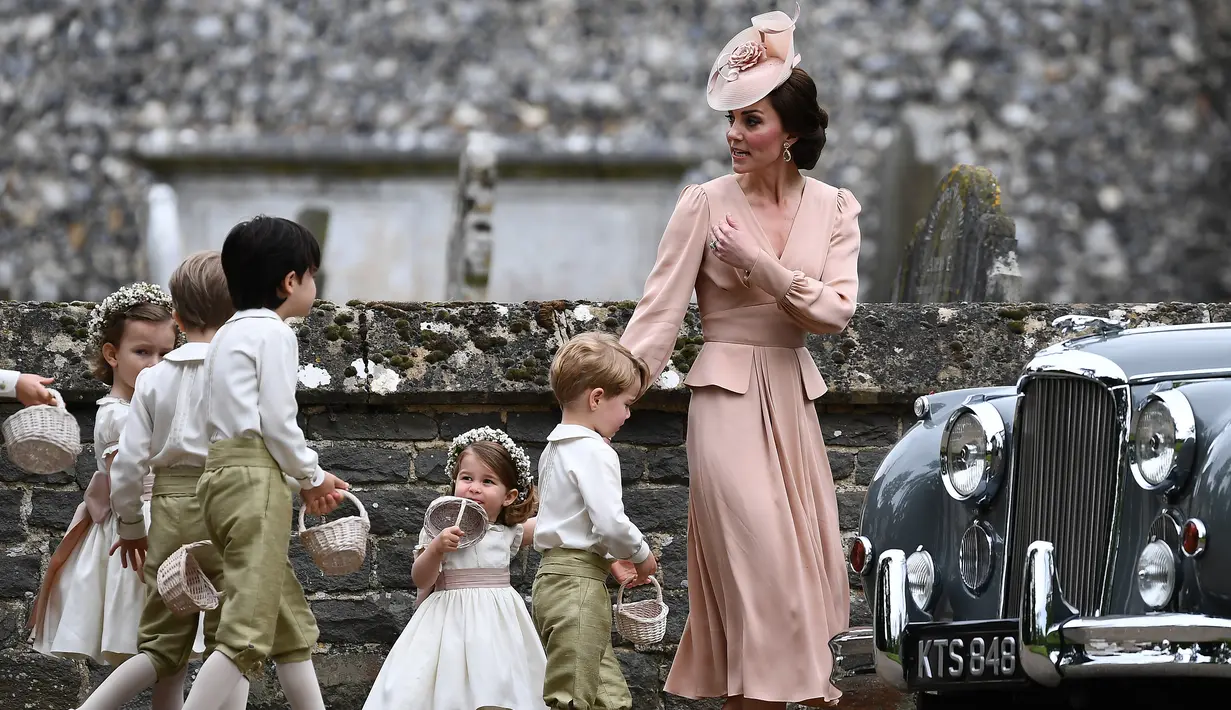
<point>90,603</point>
<point>471,643</point>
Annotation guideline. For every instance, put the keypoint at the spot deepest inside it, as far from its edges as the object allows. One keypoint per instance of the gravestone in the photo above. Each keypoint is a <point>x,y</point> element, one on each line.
<point>965,249</point>
<point>316,220</point>
<point>470,241</point>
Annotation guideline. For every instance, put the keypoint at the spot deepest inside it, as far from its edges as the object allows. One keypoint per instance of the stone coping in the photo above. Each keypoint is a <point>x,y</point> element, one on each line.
<point>467,353</point>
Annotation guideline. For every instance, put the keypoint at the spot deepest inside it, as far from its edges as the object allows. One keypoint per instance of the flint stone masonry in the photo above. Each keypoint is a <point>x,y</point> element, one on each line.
<point>444,368</point>
<point>1107,127</point>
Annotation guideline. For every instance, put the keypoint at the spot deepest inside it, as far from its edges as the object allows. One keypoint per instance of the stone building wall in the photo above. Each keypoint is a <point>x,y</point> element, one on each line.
<point>384,426</point>
<point>1105,121</point>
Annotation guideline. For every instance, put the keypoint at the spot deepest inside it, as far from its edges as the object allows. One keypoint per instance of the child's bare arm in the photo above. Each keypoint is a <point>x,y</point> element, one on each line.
<point>527,531</point>
<point>427,565</point>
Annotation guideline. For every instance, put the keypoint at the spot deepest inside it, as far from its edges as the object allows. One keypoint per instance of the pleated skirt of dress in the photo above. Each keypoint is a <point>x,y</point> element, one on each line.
<point>767,582</point>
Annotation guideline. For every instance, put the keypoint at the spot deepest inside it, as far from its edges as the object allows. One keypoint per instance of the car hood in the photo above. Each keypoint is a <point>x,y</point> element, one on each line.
<point>1161,350</point>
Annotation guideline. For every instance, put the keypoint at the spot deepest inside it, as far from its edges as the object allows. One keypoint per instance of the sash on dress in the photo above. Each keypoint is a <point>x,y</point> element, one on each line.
<point>469,578</point>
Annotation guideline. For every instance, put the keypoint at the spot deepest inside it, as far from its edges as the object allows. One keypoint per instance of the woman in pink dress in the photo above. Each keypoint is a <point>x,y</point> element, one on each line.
<point>772,255</point>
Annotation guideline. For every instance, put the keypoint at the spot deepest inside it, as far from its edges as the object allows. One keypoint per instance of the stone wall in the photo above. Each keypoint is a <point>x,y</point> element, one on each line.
<point>385,386</point>
<point>1103,120</point>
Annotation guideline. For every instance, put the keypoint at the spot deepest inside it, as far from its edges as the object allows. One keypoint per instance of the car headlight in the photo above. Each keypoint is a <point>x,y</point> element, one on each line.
<point>972,452</point>
<point>1163,441</point>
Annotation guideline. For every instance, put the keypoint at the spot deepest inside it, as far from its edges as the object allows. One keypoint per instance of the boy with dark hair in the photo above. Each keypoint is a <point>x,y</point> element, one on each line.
<point>250,419</point>
<point>164,433</point>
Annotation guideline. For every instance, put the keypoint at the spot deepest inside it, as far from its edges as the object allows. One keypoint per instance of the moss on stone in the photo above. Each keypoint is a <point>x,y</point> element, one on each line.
<point>350,371</point>
<point>440,346</point>
<point>1017,326</point>
<point>518,374</point>
<point>1013,313</point>
<point>485,342</point>
<point>519,326</point>
<point>546,313</point>
<point>343,318</point>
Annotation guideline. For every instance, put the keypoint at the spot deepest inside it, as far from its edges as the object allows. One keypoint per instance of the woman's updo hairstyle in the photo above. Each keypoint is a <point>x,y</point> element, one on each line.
<point>801,116</point>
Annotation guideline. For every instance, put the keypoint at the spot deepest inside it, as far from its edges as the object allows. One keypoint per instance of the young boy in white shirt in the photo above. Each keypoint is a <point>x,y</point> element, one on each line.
<point>582,529</point>
<point>165,434</point>
<point>251,373</point>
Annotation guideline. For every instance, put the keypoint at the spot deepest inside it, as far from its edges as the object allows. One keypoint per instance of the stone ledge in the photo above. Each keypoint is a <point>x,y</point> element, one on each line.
<point>467,353</point>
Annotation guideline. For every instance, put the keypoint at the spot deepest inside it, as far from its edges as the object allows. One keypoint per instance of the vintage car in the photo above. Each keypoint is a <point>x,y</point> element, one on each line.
<point>1058,532</point>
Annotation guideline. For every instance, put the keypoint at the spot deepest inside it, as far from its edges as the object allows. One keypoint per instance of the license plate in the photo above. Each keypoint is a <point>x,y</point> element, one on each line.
<point>961,653</point>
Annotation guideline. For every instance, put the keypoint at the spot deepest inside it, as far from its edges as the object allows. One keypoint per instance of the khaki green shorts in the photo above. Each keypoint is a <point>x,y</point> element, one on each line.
<point>175,520</point>
<point>246,505</point>
<point>572,612</point>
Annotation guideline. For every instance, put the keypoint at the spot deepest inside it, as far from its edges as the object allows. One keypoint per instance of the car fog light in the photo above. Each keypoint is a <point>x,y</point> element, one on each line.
<point>975,557</point>
<point>861,554</point>
<point>1192,540</point>
<point>921,577</point>
<point>1156,574</point>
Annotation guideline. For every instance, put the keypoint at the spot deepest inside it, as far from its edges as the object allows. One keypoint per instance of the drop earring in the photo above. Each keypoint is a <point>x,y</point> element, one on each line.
<point>786,152</point>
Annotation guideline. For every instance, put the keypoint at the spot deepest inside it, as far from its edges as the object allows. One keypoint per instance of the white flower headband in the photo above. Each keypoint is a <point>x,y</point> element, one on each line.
<point>520,461</point>
<point>125,298</point>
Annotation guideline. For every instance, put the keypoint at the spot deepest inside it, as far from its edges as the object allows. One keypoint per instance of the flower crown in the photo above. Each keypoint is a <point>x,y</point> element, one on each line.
<point>520,461</point>
<point>125,298</point>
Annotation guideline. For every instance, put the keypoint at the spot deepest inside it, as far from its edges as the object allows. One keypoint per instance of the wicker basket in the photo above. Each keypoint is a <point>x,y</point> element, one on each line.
<point>43,438</point>
<point>642,623</point>
<point>184,588</point>
<point>339,546</point>
<point>449,511</point>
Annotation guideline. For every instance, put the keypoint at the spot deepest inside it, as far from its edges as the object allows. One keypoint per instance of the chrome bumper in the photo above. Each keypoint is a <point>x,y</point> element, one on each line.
<point>1056,642</point>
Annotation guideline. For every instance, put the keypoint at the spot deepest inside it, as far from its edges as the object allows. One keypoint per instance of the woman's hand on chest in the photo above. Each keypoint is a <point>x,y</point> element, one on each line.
<point>733,244</point>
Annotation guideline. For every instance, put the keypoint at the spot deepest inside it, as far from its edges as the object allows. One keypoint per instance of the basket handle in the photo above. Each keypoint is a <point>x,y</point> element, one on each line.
<point>55,396</point>
<point>363,512</point>
<point>620,594</point>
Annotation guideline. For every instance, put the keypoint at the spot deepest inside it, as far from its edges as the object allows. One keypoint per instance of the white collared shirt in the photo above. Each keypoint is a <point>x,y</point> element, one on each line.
<point>8,383</point>
<point>165,428</point>
<point>251,373</point>
<point>581,499</point>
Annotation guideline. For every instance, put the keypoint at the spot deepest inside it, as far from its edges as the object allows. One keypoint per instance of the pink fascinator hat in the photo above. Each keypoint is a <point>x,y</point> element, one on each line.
<point>754,63</point>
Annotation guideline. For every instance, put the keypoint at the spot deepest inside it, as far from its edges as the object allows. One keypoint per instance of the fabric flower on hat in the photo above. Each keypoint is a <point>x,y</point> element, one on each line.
<point>743,58</point>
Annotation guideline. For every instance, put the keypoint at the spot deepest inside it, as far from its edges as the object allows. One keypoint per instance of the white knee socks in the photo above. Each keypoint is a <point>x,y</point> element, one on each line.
<point>125,683</point>
<point>215,684</point>
<point>239,697</point>
<point>300,686</point>
<point>169,692</point>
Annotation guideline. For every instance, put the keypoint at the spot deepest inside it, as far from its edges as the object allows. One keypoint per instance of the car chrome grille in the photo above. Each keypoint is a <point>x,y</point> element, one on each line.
<point>1064,485</point>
